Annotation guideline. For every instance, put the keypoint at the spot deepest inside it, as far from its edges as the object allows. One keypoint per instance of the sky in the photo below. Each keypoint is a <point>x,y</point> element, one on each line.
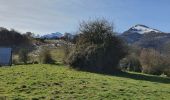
<point>47,16</point>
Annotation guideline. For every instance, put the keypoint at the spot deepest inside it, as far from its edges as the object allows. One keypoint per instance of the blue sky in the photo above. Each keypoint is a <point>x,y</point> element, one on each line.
<point>46,16</point>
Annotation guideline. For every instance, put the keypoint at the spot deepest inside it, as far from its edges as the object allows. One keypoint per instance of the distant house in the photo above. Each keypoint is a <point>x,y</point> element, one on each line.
<point>5,56</point>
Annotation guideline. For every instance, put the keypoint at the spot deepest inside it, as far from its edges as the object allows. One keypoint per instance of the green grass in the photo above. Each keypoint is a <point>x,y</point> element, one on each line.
<point>52,82</point>
<point>57,54</point>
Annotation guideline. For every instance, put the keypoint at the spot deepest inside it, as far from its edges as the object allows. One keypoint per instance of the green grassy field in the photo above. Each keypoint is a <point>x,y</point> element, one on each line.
<point>54,82</point>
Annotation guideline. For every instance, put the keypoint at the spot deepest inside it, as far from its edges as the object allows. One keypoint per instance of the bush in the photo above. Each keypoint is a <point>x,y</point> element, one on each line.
<point>66,48</point>
<point>15,61</point>
<point>166,67</point>
<point>97,49</point>
<point>45,57</point>
<point>23,55</point>
<point>131,63</point>
<point>152,62</point>
<point>167,71</point>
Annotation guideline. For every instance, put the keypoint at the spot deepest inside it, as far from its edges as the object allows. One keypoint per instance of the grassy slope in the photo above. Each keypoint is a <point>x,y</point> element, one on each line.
<point>58,82</point>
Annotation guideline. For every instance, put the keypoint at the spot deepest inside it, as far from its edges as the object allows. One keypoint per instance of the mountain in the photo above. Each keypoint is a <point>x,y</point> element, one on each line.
<point>142,29</point>
<point>146,37</point>
<point>136,32</point>
<point>53,35</point>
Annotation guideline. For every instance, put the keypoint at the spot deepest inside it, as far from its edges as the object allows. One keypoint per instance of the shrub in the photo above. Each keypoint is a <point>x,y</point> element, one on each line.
<point>66,48</point>
<point>45,57</point>
<point>23,55</point>
<point>15,61</point>
<point>152,62</point>
<point>167,71</point>
<point>131,63</point>
<point>97,49</point>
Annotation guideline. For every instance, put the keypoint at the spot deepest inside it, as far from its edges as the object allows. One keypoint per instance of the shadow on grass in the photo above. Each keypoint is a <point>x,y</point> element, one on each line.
<point>137,76</point>
<point>54,63</point>
<point>143,77</point>
<point>57,64</point>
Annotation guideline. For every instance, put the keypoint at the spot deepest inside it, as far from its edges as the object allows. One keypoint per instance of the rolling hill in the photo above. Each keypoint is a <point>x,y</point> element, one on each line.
<point>58,82</point>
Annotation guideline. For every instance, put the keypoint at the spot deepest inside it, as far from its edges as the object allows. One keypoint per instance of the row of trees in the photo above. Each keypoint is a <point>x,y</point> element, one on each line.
<point>12,38</point>
<point>147,61</point>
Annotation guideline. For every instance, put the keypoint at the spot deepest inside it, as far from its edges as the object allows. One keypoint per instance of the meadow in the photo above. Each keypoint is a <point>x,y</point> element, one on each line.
<point>59,82</point>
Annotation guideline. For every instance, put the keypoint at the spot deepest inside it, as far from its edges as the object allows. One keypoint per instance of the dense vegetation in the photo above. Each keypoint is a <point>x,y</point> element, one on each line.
<point>51,82</point>
<point>12,38</point>
<point>146,60</point>
<point>97,49</point>
<point>45,57</point>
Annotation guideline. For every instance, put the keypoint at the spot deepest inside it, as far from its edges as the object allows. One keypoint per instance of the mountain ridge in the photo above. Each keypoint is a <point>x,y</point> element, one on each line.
<point>142,29</point>
<point>145,37</point>
<point>52,35</point>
